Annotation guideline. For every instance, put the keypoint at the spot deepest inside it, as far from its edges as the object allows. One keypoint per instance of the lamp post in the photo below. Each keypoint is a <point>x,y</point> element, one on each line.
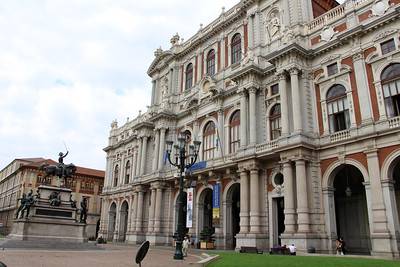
<point>179,162</point>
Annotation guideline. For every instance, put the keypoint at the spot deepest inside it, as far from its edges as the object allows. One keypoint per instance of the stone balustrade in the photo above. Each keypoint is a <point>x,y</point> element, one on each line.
<point>394,122</point>
<point>268,146</point>
<point>340,136</point>
<point>336,14</point>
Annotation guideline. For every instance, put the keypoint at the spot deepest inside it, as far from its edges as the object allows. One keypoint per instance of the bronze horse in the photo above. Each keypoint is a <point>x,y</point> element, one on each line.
<point>62,171</point>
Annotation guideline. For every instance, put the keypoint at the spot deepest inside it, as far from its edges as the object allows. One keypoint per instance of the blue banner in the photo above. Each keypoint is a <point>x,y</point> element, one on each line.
<point>216,195</point>
<point>197,166</point>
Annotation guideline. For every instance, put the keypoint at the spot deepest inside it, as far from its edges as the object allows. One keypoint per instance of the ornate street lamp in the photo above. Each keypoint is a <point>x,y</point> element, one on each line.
<point>180,156</point>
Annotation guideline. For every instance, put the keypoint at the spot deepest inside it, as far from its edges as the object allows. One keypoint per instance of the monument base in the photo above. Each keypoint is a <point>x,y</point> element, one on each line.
<point>50,223</point>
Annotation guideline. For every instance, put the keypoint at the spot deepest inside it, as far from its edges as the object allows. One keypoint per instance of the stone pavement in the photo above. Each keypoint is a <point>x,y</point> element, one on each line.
<point>105,255</point>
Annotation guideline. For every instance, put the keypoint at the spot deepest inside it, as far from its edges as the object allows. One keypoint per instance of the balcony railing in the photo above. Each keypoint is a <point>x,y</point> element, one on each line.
<point>340,136</point>
<point>394,122</point>
<point>267,146</point>
<point>335,13</point>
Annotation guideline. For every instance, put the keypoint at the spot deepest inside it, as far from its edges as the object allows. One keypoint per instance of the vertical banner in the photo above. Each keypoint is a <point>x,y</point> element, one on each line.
<point>189,208</point>
<point>216,203</point>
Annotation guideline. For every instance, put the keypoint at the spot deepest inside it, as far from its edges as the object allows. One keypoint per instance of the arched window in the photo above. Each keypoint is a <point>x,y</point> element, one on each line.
<point>127,171</point>
<point>338,108</point>
<point>234,131</point>
<point>236,49</point>
<point>275,121</point>
<point>116,173</point>
<point>189,76</point>
<point>211,63</point>
<point>209,140</point>
<point>390,79</point>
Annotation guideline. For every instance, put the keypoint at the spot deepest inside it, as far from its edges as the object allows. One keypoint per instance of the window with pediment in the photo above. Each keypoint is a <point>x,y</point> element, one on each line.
<point>211,62</point>
<point>127,171</point>
<point>234,131</point>
<point>116,173</point>
<point>275,121</point>
<point>390,79</point>
<point>189,76</point>
<point>236,48</point>
<point>338,108</point>
<point>209,140</point>
<point>388,46</point>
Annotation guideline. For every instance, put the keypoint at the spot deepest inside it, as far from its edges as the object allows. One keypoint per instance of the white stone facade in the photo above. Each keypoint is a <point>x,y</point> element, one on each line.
<point>333,138</point>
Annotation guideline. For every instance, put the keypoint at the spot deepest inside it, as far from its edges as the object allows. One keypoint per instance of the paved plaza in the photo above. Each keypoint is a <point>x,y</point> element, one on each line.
<point>101,255</point>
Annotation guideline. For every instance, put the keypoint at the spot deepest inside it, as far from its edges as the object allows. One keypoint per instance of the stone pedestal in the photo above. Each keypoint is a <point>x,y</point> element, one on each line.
<point>47,222</point>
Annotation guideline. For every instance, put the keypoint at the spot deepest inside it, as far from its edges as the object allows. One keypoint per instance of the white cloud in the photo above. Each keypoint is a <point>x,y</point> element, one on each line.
<point>69,67</point>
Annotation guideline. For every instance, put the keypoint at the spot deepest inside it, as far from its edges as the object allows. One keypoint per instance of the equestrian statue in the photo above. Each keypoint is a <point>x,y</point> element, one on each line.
<point>63,171</point>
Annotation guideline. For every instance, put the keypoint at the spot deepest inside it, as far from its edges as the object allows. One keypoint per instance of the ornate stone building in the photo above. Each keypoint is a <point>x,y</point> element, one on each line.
<point>297,104</point>
<point>23,175</point>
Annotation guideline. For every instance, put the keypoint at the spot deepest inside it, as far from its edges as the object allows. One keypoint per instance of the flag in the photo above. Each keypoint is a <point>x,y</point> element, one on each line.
<point>165,157</point>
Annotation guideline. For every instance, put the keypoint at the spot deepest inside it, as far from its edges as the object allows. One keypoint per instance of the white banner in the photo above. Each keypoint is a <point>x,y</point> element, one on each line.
<point>189,208</point>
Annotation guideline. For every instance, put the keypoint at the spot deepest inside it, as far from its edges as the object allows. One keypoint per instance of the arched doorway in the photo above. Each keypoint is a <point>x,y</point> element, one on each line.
<point>111,221</point>
<point>205,209</point>
<point>277,220</point>
<point>232,210</point>
<point>393,192</point>
<point>123,221</point>
<point>97,228</point>
<point>351,209</point>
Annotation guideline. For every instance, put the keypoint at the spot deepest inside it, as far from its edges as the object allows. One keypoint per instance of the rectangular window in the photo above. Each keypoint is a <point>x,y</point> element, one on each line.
<point>388,46</point>
<point>332,69</point>
<point>275,89</point>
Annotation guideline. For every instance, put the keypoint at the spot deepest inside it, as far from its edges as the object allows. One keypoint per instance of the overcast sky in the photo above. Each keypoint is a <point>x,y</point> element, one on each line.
<point>69,67</point>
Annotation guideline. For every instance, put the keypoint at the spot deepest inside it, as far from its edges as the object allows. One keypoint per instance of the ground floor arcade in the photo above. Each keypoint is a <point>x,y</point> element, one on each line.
<point>266,203</point>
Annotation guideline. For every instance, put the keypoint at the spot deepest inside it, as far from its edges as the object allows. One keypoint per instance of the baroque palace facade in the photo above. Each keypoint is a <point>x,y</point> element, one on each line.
<point>297,106</point>
<point>23,175</point>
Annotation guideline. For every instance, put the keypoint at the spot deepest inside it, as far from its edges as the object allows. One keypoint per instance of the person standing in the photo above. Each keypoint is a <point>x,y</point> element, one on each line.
<point>292,249</point>
<point>339,247</point>
<point>185,246</point>
<point>343,245</point>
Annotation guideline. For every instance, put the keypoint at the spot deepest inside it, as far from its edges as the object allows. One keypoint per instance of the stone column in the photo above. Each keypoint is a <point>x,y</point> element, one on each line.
<point>303,217</point>
<point>389,195</point>
<point>244,202</point>
<point>109,172</point>
<point>250,30</point>
<point>221,131</point>
<point>117,222</point>
<point>139,214</point>
<point>143,157</point>
<point>157,220</point>
<point>362,82</point>
<point>156,150</point>
<point>134,160</point>
<point>284,104</point>
<point>134,211</point>
<point>253,115</point>
<point>379,218</point>
<point>243,118</point>
<point>150,227</point>
<point>103,218</point>
<point>254,201</point>
<point>290,223</point>
<point>161,149</point>
<point>196,130</point>
<point>139,157</point>
<point>296,100</point>
<point>121,178</point>
<point>129,226</point>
